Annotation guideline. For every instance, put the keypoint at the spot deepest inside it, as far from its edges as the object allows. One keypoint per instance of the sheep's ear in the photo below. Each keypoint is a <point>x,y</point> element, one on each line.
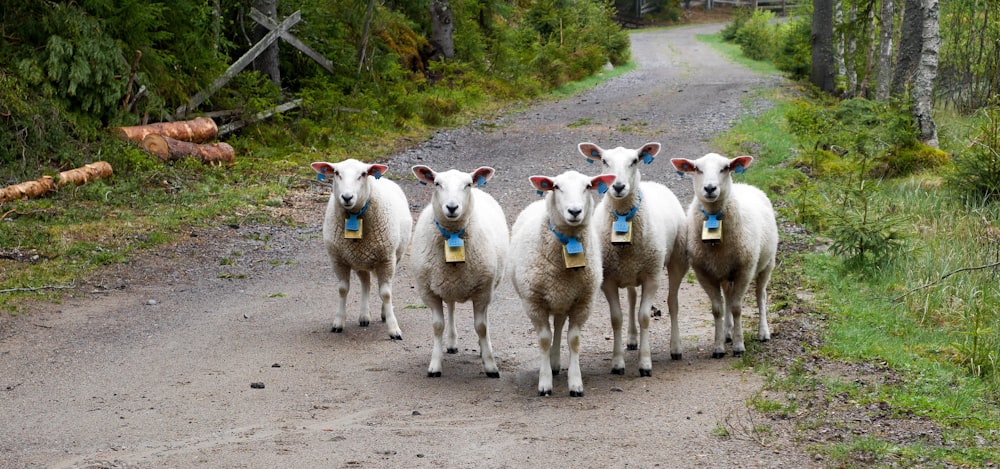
<point>591,152</point>
<point>740,164</point>
<point>377,170</point>
<point>424,174</point>
<point>648,151</point>
<point>542,183</point>
<point>482,174</point>
<point>322,168</point>
<point>683,165</point>
<point>602,182</point>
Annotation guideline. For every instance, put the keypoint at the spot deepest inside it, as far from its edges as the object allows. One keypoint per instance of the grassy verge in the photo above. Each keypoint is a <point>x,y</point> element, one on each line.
<point>887,363</point>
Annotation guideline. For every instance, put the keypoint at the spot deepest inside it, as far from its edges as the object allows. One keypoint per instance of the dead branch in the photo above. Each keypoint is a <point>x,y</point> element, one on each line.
<point>33,289</point>
<point>945,276</point>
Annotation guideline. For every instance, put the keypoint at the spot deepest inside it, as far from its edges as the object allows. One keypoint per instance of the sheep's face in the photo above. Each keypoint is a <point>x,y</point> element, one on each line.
<point>568,197</point>
<point>351,185</point>
<point>623,163</point>
<point>452,198</point>
<point>712,174</point>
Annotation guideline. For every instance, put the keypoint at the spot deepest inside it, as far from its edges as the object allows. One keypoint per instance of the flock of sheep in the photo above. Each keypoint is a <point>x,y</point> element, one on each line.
<point>568,246</point>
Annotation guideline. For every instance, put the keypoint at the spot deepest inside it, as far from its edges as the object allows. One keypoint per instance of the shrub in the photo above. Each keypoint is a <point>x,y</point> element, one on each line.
<point>756,37</point>
<point>976,173</point>
<point>794,51</point>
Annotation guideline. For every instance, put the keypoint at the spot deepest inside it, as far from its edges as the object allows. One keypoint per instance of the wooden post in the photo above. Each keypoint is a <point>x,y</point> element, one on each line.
<point>240,64</point>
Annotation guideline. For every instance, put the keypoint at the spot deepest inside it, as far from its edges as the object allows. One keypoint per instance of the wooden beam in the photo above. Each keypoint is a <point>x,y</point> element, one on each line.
<point>240,64</point>
<point>234,126</point>
<point>270,24</point>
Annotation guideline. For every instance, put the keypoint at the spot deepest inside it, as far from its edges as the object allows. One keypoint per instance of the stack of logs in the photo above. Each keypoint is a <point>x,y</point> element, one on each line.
<point>171,141</point>
<point>46,184</point>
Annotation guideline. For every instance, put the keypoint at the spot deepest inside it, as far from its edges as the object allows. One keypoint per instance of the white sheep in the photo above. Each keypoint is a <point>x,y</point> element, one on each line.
<point>366,229</point>
<point>459,254</point>
<point>642,230</point>
<point>732,240</point>
<point>557,268</point>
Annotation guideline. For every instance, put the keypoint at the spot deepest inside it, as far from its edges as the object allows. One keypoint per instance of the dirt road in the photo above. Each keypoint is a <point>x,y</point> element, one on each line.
<point>150,364</point>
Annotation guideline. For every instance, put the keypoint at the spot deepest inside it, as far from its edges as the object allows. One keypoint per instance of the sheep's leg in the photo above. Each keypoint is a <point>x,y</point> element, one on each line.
<point>734,293</point>
<point>452,329</point>
<point>676,269</point>
<point>433,302</point>
<point>714,292</point>
<point>544,346</point>
<point>482,324</point>
<point>343,275</point>
<point>385,291</point>
<point>633,334</point>
<point>618,351</point>
<point>366,286</point>
<point>575,378</point>
<point>558,321</point>
<point>763,332</point>
<point>649,287</point>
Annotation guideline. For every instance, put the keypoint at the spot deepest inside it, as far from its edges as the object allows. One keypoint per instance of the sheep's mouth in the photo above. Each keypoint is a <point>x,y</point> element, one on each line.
<point>710,198</point>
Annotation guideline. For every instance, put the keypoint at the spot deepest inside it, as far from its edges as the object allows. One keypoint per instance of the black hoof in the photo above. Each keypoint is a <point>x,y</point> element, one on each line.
<point>396,337</point>
<point>675,356</point>
<point>545,393</point>
<point>555,372</point>
<point>452,350</point>
<point>766,340</point>
<point>433,374</point>
<point>643,372</point>
<point>576,394</point>
<point>363,323</point>
<point>337,329</point>
<point>493,374</point>
<point>718,354</point>
<point>737,354</point>
<point>632,346</point>
<point>618,371</point>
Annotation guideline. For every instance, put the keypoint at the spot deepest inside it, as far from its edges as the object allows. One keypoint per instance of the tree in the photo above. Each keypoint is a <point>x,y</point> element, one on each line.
<point>887,20</point>
<point>926,72</point>
<point>823,69</point>
<point>267,62</point>
<point>442,28</point>
<point>910,44</point>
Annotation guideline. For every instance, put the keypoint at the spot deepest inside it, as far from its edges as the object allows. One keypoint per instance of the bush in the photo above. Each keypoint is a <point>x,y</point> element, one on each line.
<point>740,17</point>
<point>756,37</point>
<point>976,173</point>
<point>794,51</point>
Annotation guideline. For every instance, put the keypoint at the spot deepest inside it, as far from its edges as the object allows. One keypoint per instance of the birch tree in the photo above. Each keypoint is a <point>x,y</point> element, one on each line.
<point>884,78</point>
<point>442,28</point>
<point>926,72</point>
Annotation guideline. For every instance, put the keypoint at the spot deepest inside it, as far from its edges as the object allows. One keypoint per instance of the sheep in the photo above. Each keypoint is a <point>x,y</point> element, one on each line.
<point>459,254</point>
<point>557,268</point>
<point>642,231</point>
<point>366,229</point>
<point>732,239</point>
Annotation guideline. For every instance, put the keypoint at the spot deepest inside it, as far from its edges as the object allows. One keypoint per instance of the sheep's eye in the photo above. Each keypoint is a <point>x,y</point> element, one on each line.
<point>468,185</point>
<point>635,162</point>
<point>605,163</point>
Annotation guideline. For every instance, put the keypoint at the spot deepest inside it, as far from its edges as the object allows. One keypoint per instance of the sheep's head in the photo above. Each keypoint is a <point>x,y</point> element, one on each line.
<point>712,174</point>
<point>452,198</point>
<point>623,163</point>
<point>351,186</point>
<point>569,202</point>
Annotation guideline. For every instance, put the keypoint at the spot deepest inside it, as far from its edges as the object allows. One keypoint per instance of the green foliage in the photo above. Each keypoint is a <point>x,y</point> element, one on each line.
<point>867,230</point>
<point>975,175</point>
<point>757,36</point>
<point>793,54</point>
<point>732,28</point>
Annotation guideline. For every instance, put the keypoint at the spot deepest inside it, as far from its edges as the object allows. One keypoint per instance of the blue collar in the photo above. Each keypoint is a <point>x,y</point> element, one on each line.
<point>712,219</point>
<point>352,220</point>
<point>454,239</point>
<point>621,220</point>
<point>572,244</point>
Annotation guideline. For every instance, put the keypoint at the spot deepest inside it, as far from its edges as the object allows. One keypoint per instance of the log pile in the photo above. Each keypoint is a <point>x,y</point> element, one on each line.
<point>46,184</point>
<point>171,141</point>
<point>198,130</point>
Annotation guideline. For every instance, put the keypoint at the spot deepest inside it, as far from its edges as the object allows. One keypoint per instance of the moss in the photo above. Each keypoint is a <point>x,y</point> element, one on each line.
<point>908,158</point>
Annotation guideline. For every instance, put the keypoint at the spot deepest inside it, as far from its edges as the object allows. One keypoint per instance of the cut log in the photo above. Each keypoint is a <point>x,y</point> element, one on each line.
<point>169,149</point>
<point>46,184</point>
<point>197,130</point>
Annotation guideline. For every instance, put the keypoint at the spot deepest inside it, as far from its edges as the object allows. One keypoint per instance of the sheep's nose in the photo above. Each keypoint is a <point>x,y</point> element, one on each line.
<point>618,187</point>
<point>710,189</point>
<point>574,212</point>
<point>451,208</point>
<point>346,198</point>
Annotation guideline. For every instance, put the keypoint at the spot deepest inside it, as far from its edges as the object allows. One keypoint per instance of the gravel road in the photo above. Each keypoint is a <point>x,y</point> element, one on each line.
<point>150,364</point>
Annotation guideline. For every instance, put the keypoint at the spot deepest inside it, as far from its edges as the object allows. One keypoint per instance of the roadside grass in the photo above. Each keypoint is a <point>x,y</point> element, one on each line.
<point>927,319</point>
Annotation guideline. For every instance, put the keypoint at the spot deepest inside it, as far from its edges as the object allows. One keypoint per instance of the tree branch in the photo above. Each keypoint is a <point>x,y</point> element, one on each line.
<point>943,277</point>
<point>43,287</point>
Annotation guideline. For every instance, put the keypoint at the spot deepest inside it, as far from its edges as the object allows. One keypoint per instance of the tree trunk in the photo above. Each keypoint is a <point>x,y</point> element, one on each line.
<point>885,51</point>
<point>442,28</point>
<point>46,184</point>
<point>168,149</point>
<point>910,43</point>
<point>823,69</point>
<point>198,130</point>
<point>267,62</point>
<point>923,82</point>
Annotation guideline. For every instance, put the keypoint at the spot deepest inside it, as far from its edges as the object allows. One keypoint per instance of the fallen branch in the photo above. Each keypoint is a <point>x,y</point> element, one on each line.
<point>169,149</point>
<point>43,287</point>
<point>943,277</point>
<point>234,126</point>
<point>197,130</point>
<point>46,184</point>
